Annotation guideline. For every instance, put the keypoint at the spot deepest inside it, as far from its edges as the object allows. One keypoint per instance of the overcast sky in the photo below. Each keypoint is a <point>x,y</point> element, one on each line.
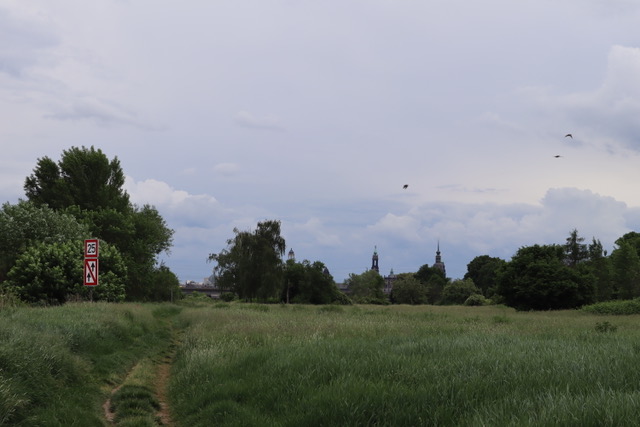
<point>316,113</point>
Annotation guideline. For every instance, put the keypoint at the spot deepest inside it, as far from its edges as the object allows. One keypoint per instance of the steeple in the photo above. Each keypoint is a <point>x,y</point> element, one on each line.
<point>439,264</point>
<point>291,255</point>
<point>374,260</point>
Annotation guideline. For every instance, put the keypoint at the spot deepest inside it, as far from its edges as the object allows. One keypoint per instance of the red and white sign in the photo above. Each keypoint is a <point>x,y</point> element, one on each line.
<point>91,272</point>
<point>91,247</point>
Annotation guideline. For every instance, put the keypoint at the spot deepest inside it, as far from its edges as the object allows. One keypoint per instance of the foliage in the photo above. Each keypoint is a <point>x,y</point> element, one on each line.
<point>434,279</point>
<point>308,283</point>
<point>83,177</point>
<point>624,307</point>
<point>606,327</point>
<point>537,278</point>
<point>24,224</point>
<point>476,300</point>
<point>50,273</point>
<point>458,291</point>
<point>625,265</point>
<point>575,250</point>
<point>251,265</point>
<point>408,290</point>
<point>89,186</point>
<point>483,270</point>
<point>366,288</point>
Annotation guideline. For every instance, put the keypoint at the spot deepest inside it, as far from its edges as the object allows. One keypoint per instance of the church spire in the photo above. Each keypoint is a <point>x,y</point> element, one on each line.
<point>439,264</point>
<point>374,260</point>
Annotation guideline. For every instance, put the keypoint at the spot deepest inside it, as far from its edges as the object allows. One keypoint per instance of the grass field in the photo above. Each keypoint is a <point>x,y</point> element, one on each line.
<point>248,364</point>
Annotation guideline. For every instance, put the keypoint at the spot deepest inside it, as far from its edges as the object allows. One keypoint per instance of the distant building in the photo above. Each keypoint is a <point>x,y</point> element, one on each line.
<point>391,278</point>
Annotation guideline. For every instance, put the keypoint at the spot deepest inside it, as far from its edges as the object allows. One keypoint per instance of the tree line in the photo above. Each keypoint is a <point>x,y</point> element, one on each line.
<point>81,196</point>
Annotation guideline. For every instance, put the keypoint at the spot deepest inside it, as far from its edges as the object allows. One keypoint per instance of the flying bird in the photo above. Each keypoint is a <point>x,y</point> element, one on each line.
<point>569,135</point>
<point>557,155</point>
<point>404,187</point>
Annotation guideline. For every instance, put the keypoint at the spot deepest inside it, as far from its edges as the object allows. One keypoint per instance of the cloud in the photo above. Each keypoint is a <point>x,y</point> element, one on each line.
<point>318,231</point>
<point>608,115</point>
<point>247,120</point>
<point>179,207</point>
<point>102,112</point>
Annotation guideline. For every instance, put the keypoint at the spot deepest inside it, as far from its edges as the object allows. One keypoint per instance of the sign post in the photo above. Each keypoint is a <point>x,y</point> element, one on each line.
<point>91,252</point>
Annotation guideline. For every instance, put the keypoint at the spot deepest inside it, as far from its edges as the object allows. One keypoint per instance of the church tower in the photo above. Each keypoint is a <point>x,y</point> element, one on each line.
<point>439,264</point>
<point>374,260</point>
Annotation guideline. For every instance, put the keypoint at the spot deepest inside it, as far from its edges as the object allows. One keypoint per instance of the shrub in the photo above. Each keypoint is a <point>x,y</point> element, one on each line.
<point>476,300</point>
<point>228,296</point>
<point>623,307</point>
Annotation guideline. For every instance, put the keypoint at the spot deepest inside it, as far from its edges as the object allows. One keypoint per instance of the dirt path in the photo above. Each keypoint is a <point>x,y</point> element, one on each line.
<point>160,385</point>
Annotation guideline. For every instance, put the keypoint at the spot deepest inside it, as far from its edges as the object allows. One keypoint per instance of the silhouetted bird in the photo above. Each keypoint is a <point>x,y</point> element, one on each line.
<point>569,135</point>
<point>557,155</point>
<point>405,186</point>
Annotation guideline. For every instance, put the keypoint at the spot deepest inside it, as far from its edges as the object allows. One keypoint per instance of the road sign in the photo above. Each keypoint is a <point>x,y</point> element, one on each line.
<point>91,272</point>
<point>91,248</point>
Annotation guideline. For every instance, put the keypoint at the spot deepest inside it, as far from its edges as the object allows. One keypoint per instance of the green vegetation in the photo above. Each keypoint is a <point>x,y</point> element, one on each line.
<point>405,365</point>
<point>56,364</point>
<point>252,364</point>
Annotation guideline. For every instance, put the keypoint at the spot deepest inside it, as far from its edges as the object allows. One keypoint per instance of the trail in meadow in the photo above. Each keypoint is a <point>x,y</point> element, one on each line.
<point>159,385</point>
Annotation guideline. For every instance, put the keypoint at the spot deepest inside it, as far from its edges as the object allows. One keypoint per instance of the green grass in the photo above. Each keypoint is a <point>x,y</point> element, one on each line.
<point>56,364</point>
<point>242,364</point>
<point>368,365</point>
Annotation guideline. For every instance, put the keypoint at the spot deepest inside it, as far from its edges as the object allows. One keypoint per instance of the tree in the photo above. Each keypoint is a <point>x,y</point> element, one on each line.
<point>251,265</point>
<point>483,270</point>
<point>24,225</point>
<point>408,290</point>
<point>600,266</point>
<point>89,186</point>
<point>626,270</point>
<point>458,291</point>
<point>537,278</point>
<point>366,288</point>
<point>435,281</point>
<point>575,251</point>
<point>308,283</point>
<point>52,272</point>
<point>83,177</point>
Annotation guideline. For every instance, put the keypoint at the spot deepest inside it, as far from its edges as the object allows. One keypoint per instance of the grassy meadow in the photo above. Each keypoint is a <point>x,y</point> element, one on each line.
<point>237,364</point>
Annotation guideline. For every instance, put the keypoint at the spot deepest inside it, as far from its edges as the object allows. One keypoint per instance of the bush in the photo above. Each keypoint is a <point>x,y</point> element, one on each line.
<point>623,307</point>
<point>458,291</point>
<point>228,296</point>
<point>476,300</point>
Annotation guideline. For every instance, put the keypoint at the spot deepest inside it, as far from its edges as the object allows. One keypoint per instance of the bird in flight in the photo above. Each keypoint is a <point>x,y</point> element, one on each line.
<point>569,135</point>
<point>404,187</point>
<point>557,155</point>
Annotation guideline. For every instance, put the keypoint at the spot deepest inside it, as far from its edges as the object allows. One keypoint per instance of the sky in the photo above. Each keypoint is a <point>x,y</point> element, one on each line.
<point>316,113</point>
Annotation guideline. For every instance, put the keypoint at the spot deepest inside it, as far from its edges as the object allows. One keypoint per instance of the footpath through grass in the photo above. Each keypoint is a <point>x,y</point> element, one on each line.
<point>59,364</point>
<point>255,365</point>
<point>267,365</point>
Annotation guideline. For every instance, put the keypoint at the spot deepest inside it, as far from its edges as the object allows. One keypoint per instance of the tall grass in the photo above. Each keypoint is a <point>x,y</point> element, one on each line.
<point>404,366</point>
<point>55,362</point>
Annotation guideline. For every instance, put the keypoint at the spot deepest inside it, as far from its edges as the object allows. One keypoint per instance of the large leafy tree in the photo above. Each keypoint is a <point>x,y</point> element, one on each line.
<point>24,224</point>
<point>251,265</point>
<point>309,283</point>
<point>625,264</point>
<point>83,177</point>
<point>408,290</point>
<point>435,281</point>
<point>537,278</point>
<point>86,184</point>
<point>483,270</point>
<point>366,287</point>
<point>458,291</point>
